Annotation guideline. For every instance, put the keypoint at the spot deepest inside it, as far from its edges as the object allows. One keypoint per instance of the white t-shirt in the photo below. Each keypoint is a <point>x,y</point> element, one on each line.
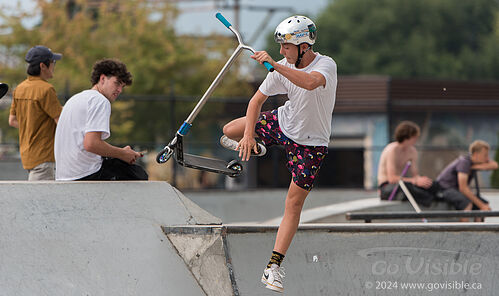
<point>87,111</point>
<point>306,117</point>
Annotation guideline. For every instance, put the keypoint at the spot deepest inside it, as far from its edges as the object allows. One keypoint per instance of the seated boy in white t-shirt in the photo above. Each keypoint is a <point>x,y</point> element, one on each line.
<point>81,152</point>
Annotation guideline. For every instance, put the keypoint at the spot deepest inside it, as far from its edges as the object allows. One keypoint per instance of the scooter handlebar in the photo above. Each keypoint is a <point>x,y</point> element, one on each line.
<point>224,21</point>
<point>268,66</point>
<point>221,18</point>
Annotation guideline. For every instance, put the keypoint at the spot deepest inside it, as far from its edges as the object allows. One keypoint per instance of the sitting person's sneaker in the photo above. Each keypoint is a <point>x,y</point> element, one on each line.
<point>230,144</point>
<point>272,278</point>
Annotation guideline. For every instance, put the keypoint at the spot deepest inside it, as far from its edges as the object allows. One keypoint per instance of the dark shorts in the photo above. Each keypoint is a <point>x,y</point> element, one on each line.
<point>423,196</point>
<point>304,162</point>
<point>459,200</point>
<point>114,169</point>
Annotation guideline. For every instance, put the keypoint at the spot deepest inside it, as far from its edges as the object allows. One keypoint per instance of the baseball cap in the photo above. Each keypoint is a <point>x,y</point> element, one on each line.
<point>40,54</point>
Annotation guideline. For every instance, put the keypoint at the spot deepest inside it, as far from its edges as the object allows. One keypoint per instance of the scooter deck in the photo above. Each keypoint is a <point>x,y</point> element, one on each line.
<point>207,164</point>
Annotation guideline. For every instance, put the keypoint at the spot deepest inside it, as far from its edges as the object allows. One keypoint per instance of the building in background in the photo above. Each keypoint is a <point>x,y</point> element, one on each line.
<point>451,115</point>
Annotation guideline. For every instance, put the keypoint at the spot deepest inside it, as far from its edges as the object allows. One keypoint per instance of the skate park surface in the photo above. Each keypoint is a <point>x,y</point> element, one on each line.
<point>148,238</point>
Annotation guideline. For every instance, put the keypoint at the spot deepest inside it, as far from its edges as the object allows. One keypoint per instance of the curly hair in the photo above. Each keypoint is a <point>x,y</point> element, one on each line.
<point>406,130</point>
<point>110,67</point>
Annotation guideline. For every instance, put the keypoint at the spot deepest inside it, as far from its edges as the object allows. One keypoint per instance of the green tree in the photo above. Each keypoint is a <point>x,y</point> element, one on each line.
<point>412,38</point>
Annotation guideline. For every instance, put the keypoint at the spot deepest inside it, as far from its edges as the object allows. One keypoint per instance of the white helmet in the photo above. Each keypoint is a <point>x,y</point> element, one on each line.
<point>296,29</point>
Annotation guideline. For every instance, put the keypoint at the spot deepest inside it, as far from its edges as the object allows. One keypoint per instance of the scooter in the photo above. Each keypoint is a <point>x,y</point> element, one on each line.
<point>232,168</point>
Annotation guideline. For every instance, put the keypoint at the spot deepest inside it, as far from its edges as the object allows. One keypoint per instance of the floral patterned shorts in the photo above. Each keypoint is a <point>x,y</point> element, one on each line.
<point>304,162</point>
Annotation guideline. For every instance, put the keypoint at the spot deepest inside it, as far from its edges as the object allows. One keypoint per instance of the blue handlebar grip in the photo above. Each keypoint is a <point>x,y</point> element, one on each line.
<point>268,66</point>
<point>221,18</point>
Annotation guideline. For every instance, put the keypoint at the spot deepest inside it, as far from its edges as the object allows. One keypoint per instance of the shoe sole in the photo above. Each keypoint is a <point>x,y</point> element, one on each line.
<point>262,150</point>
<point>271,287</point>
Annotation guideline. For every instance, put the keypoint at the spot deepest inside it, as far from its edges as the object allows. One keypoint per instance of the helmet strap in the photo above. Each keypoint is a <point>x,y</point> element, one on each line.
<point>301,54</point>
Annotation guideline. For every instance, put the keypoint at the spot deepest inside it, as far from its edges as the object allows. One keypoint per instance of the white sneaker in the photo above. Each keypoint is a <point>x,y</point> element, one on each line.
<point>230,144</point>
<point>272,278</point>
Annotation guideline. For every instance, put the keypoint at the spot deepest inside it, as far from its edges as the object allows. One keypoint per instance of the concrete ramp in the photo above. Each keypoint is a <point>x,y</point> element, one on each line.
<point>95,238</point>
<point>362,259</point>
<point>147,239</point>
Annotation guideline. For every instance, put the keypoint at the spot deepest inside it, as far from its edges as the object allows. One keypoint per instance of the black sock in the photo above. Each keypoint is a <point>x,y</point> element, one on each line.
<point>276,258</point>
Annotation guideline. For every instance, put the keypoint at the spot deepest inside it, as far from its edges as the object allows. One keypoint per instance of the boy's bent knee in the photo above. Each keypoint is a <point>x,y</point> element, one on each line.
<point>228,129</point>
<point>234,129</point>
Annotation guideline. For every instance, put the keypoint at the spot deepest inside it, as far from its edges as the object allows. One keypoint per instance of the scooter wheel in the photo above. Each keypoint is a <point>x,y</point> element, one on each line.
<point>236,167</point>
<point>164,155</point>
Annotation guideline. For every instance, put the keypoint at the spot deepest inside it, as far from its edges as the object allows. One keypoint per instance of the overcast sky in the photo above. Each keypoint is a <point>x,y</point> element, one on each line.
<point>199,16</point>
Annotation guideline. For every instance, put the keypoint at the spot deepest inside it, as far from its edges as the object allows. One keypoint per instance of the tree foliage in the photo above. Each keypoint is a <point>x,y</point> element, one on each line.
<point>412,38</point>
<point>138,32</point>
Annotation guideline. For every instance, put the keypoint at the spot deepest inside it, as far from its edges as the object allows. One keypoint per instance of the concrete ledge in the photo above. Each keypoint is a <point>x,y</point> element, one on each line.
<point>358,259</point>
<point>338,227</point>
<point>94,238</point>
<point>367,217</point>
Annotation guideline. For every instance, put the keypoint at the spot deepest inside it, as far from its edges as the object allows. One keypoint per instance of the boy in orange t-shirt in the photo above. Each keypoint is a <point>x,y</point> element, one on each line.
<point>35,111</point>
